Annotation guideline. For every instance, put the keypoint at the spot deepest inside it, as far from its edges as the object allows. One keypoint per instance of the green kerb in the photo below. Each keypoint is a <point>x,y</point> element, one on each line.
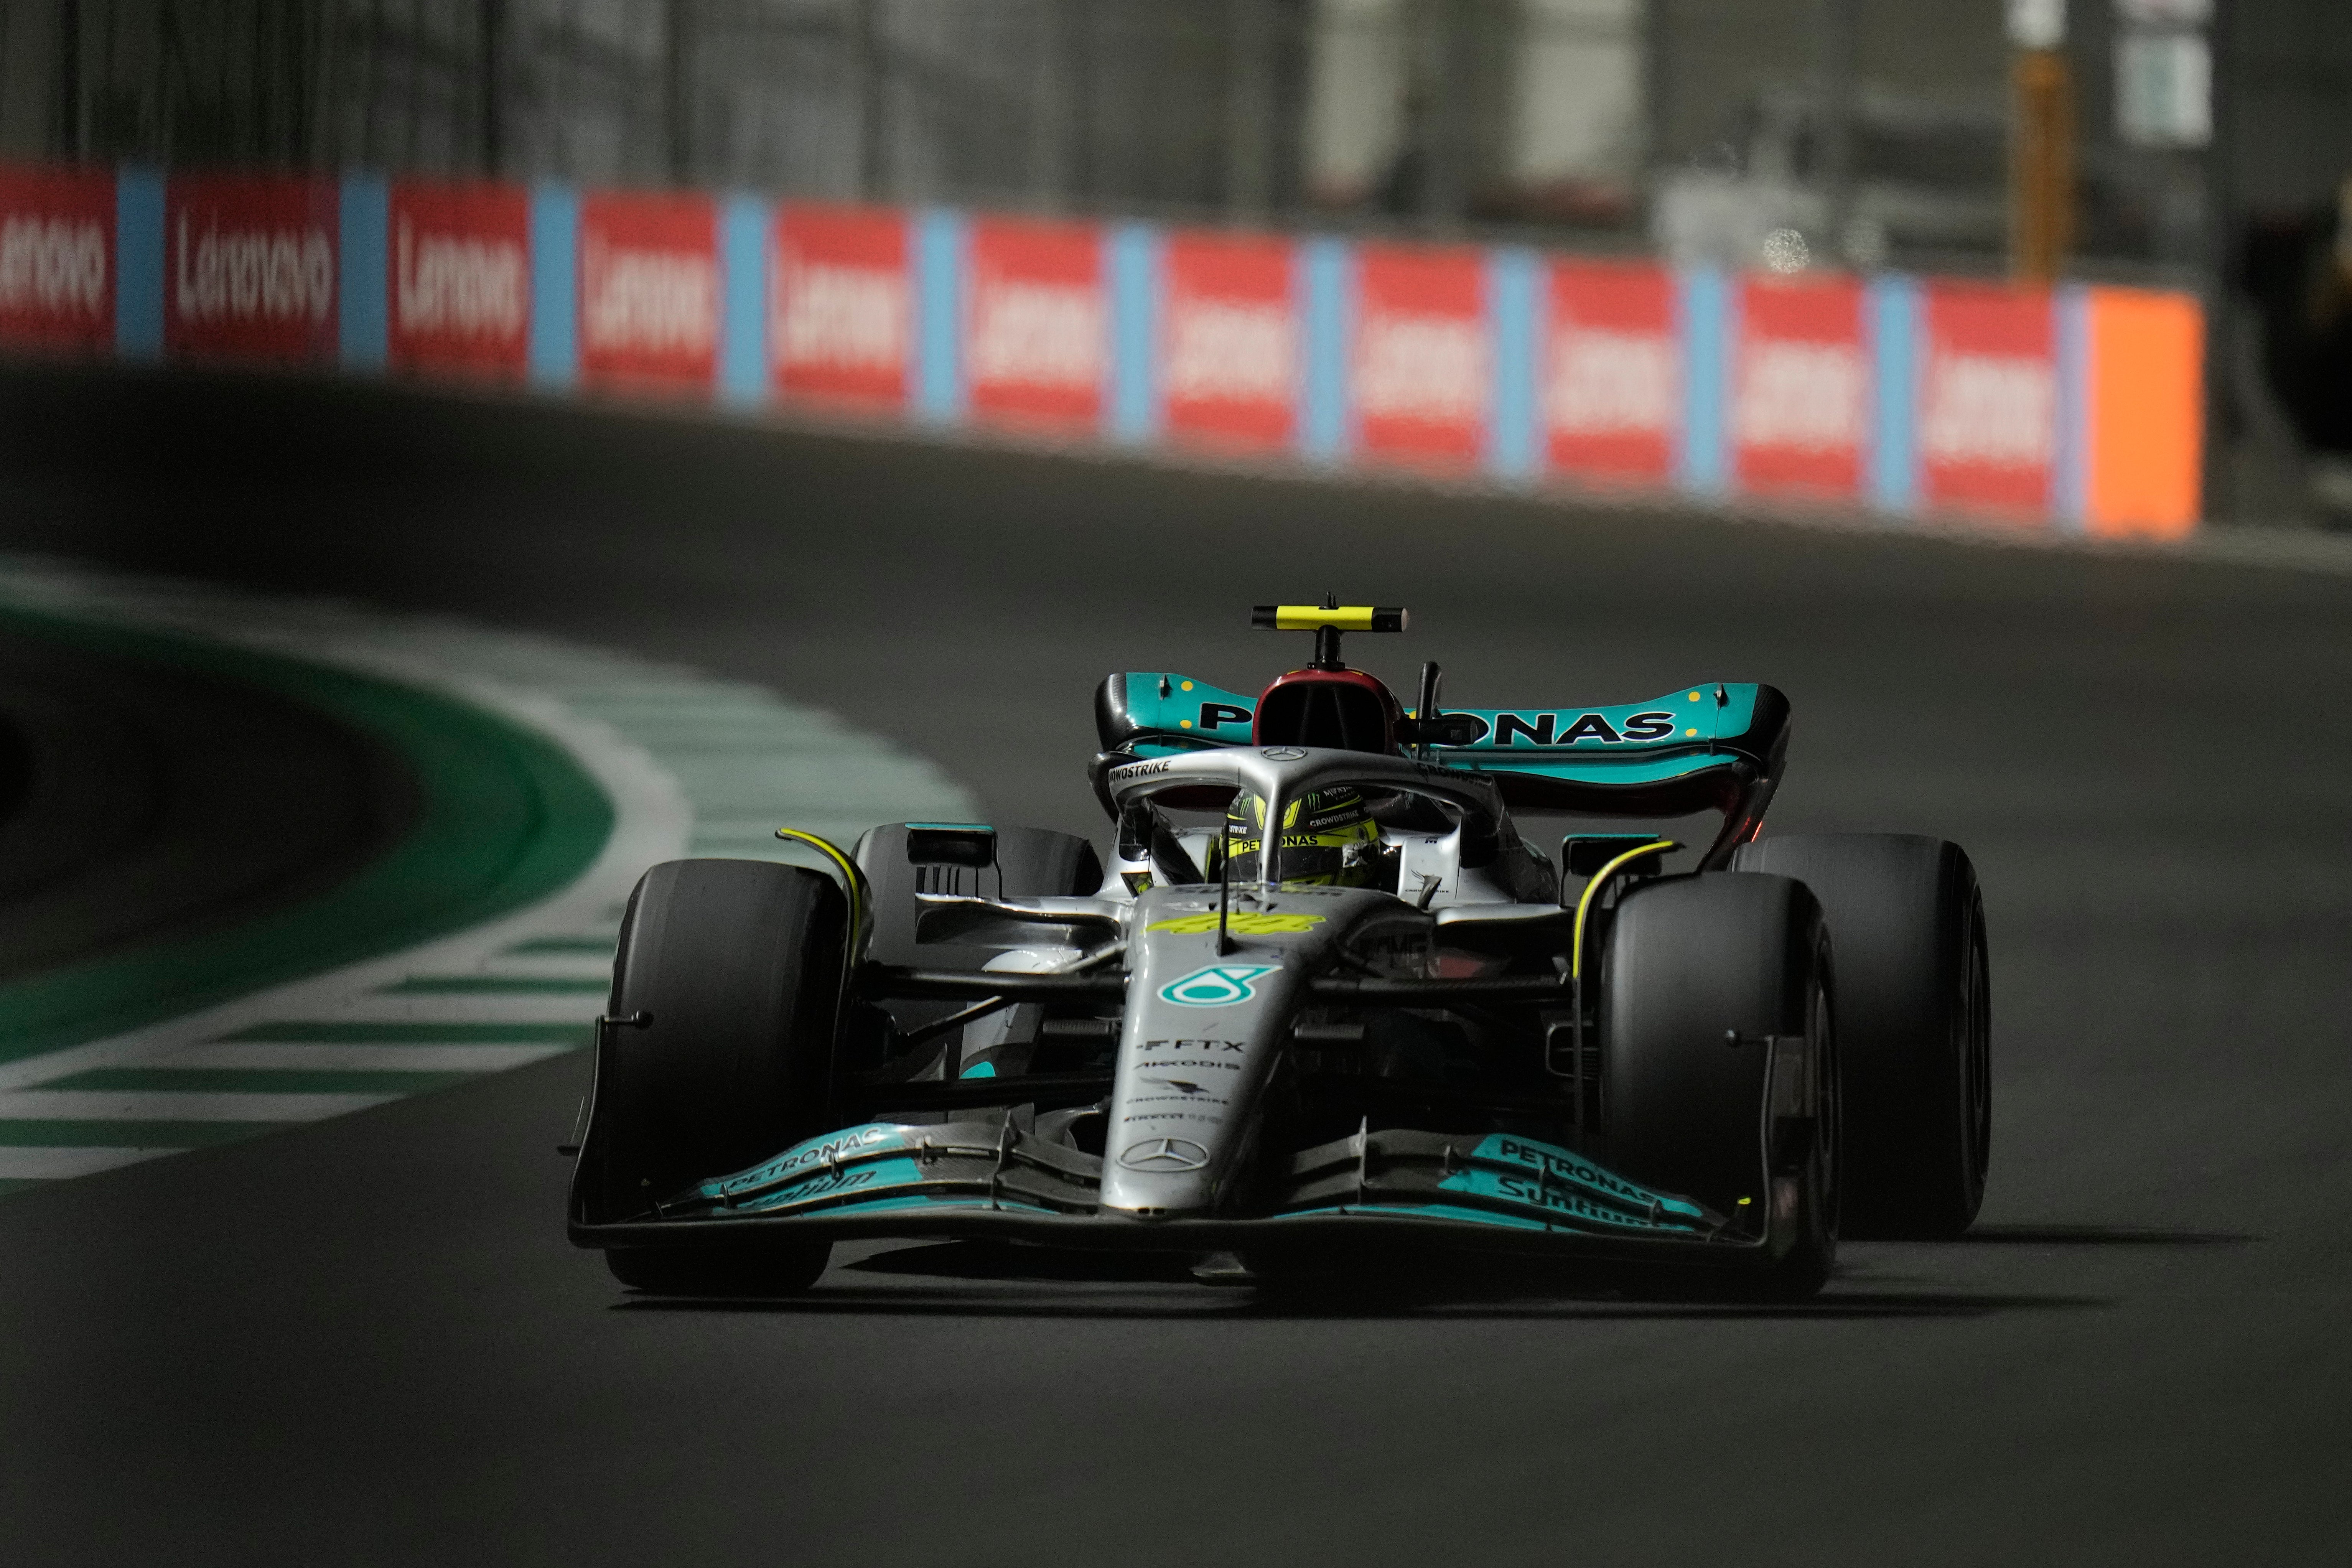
<point>508,819</point>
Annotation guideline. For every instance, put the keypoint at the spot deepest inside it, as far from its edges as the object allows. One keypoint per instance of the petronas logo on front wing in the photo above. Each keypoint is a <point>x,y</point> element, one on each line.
<point>1218,985</point>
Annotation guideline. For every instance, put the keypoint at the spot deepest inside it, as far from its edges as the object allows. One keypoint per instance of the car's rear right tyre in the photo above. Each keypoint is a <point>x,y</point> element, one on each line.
<point>726,1000</point>
<point>1914,1003</point>
<point>1721,1072</point>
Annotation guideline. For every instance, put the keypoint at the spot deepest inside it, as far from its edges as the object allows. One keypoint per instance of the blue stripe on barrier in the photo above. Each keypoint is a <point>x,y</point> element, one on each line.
<point>743,296</point>
<point>554,286</point>
<point>138,263</point>
<point>1132,254</point>
<point>363,305</point>
<point>2069,503</point>
<point>1895,327</point>
<point>939,315</point>
<point>1702,301</point>
<point>1513,318</point>
<point>1326,276</point>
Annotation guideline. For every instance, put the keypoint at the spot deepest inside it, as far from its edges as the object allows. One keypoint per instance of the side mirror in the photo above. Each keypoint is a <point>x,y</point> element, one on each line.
<point>1582,854</point>
<point>967,844</point>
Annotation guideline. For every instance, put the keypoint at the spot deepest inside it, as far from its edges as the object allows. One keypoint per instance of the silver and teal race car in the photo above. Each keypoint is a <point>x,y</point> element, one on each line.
<point>1324,1007</point>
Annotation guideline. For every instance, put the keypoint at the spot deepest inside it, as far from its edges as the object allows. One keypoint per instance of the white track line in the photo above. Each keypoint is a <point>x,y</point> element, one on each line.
<point>319,1056</point>
<point>176,1105</point>
<point>547,966</point>
<point>37,1162</point>
<point>463,1008</point>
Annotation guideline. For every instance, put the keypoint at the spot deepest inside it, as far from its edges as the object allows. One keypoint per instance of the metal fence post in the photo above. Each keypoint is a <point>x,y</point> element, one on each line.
<point>1249,127</point>
<point>492,87</point>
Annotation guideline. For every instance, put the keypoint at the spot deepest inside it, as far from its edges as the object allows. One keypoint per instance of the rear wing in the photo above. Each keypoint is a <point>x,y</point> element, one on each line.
<point>1712,747</point>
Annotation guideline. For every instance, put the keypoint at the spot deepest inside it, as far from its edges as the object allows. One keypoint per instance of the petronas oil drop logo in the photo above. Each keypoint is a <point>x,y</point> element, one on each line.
<point>1219,985</point>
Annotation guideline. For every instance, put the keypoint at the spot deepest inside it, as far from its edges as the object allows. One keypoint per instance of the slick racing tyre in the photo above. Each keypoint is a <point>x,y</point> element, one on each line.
<point>726,995</point>
<point>1915,1032</point>
<point>1721,1072</point>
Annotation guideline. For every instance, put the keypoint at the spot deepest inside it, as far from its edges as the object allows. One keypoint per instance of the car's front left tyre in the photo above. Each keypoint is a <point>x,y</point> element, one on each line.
<point>1720,1073</point>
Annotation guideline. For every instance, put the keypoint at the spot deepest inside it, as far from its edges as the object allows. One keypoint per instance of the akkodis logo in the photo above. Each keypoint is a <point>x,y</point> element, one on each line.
<point>1219,985</point>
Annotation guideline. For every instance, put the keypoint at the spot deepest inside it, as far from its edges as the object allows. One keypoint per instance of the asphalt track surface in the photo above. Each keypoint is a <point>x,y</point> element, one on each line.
<point>156,802</point>
<point>368,1343</point>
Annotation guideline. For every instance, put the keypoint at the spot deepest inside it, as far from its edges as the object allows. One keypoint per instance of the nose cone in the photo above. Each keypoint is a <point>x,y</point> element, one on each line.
<point>1202,1031</point>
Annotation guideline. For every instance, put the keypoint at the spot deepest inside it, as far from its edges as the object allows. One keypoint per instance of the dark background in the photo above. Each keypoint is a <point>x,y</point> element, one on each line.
<point>1880,129</point>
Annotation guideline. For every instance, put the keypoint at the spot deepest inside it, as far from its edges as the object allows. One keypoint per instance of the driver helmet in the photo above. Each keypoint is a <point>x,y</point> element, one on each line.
<point>1329,839</point>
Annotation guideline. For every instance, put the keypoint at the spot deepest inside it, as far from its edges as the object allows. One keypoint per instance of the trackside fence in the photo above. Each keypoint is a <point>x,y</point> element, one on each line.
<point>2077,408</point>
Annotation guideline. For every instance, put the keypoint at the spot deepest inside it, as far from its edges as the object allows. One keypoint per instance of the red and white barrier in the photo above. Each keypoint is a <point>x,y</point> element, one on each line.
<point>1611,378</point>
<point>841,305</point>
<point>1231,351</point>
<point>458,298</point>
<point>1800,388</point>
<point>1421,368</point>
<point>648,287</point>
<point>1987,399</point>
<point>2080,409</point>
<point>251,268</point>
<point>1036,327</point>
<point>57,258</point>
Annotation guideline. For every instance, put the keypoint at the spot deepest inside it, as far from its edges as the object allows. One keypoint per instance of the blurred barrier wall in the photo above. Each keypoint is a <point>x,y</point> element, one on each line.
<point>2078,409</point>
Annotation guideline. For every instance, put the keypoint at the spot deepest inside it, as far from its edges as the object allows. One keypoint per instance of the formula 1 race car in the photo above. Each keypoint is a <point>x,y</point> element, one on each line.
<point>1326,1007</point>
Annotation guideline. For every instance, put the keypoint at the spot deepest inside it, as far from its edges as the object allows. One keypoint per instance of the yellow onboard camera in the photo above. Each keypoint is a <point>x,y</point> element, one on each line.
<point>1338,617</point>
<point>1327,621</point>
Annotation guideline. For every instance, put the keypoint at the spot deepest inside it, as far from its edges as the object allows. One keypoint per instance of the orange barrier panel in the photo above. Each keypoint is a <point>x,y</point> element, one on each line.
<point>2147,413</point>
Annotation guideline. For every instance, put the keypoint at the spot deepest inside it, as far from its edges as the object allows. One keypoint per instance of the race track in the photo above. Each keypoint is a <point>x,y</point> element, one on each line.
<point>156,802</point>
<point>366,1341</point>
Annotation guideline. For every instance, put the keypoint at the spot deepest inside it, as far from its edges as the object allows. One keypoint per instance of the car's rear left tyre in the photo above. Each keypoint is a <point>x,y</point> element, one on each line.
<point>726,1001</point>
<point>1721,1071</point>
<point>1914,1002</point>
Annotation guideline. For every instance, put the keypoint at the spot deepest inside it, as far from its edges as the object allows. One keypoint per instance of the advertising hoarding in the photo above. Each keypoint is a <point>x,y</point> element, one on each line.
<point>1420,363</point>
<point>2084,409</point>
<point>1612,376</point>
<point>1229,352</point>
<point>56,257</point>
<point>250,267</point>
<point>648,291</point>
<point>458,280</point>
<point>1801,387</point>
<point>1036,344</point>
<point>841,304</point>
<point>1987,399</point>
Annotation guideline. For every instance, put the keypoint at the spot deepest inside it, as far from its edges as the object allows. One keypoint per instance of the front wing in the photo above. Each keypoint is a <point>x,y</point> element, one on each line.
<point>1491,1192</point>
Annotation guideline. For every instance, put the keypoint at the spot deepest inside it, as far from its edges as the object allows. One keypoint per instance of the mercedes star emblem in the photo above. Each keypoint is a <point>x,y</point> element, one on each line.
<point>1281,754</point>
<point>1163,1155</point>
